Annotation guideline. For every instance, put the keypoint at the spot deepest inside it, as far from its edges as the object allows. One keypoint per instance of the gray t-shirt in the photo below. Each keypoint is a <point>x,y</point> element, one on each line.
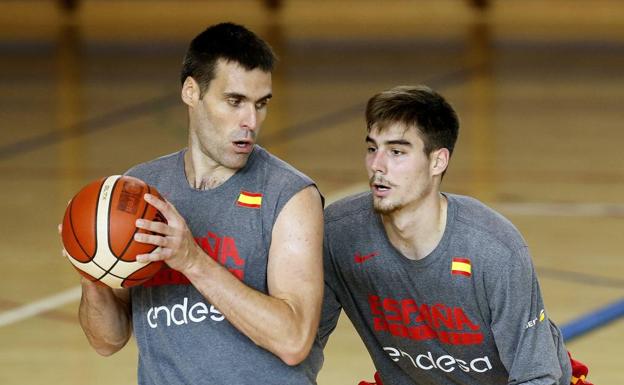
<point>182,338</point>
<point>469,313</point>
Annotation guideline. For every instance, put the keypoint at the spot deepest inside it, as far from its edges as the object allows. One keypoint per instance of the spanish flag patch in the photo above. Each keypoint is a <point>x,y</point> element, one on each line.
<point>249,200</point>
<point>461,266</point>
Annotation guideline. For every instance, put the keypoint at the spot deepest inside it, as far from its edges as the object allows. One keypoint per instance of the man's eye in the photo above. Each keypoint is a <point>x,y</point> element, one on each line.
<point>370,149</point>
<point>396,152</point>
<point>234,102</point>
<point>261,105</point>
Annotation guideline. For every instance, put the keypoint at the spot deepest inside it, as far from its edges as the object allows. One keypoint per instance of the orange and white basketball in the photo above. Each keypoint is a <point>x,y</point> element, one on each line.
<point>99,227</point>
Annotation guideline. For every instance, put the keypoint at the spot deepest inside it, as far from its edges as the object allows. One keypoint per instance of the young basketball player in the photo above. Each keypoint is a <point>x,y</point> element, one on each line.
<point>240,300</point>
<point>441,288</point>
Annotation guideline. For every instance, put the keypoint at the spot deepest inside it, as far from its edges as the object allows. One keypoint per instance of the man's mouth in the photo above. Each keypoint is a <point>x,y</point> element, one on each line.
<point>244,145</point>
<point>380,188</point>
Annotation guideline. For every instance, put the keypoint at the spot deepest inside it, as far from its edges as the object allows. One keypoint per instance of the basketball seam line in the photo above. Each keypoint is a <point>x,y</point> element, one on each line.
<point>108,240</point>
<point>110,248</point>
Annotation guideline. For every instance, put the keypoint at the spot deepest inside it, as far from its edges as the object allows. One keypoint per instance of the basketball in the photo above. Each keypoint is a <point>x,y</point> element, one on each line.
<point>99,227</point>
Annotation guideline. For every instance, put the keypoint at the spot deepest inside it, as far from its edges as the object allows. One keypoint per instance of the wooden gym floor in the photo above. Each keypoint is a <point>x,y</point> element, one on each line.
<point>538,85</point>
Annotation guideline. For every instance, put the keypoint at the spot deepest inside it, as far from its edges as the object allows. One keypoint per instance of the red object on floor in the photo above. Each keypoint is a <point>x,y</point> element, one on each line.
<point>377,381</point>
<point>579,372</point>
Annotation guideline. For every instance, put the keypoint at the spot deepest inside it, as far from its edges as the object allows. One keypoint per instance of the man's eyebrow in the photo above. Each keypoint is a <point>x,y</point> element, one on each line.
<point>244,97</point>
<point>265,98</point>
<point>234,95</point>
<point>400,142</point>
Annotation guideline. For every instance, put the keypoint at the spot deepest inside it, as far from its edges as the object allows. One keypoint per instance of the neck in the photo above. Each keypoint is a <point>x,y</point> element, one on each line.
<point>417,230</point>
<point>204,173</point>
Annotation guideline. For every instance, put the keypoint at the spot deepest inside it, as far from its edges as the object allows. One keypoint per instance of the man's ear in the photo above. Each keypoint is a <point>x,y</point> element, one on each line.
<point>190,91</point>
<point>439,161</point>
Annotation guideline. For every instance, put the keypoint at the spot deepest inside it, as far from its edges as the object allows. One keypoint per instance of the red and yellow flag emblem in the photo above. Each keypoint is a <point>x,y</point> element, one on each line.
<point>461,266</point>
<point>249,199</point>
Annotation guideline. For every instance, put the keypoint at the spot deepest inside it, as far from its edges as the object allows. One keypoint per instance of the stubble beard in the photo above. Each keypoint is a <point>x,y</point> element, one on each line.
<point>386,206</point>
<point>223,156</point>
<point>381,206</point>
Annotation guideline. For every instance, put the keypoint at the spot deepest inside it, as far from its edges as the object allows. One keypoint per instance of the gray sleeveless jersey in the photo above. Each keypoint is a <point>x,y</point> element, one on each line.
<point>469,313</point>
<point>182,338</point>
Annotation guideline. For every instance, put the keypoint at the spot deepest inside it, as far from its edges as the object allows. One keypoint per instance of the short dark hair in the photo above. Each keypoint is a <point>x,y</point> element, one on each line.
<point>419,107</point>
<point>230,42</point>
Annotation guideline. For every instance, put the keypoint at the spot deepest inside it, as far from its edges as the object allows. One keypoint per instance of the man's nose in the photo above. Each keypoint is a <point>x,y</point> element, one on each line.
<point>250,118</point>
<point>378,163</point>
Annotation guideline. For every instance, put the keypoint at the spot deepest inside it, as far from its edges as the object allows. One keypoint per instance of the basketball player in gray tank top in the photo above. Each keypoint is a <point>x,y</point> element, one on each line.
<point>441,288</point>
<point>240,300</point>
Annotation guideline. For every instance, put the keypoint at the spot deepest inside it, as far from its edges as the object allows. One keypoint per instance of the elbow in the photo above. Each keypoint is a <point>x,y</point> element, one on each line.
<point>293,354</point>
<point>107,350</point>
<point>293,359</point>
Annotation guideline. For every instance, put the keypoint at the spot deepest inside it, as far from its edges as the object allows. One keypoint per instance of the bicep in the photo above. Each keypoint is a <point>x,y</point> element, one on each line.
<point>295,267</point>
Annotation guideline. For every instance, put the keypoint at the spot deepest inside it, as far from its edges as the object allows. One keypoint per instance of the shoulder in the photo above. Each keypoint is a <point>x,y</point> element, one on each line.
<point>476,219</point>
<point>278,167</point>
<point>147,169</point>
<point>278,170</point>
<point>278,180</point>
<point>353,207</point>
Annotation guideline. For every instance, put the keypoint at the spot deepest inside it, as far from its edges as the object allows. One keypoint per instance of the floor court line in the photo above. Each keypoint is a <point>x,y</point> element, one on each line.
<point>579,277</point>
<point>593,320</point>
<point>537,209</point>
<point>41,306</point>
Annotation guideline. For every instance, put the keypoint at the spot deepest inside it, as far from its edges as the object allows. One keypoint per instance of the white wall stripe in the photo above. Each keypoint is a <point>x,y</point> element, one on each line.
<point>541,209</point>
<point>562,209</point>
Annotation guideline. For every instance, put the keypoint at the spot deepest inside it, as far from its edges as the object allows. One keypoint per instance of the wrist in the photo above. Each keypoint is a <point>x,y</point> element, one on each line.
<point>198,265</point>
<point>93,286</point>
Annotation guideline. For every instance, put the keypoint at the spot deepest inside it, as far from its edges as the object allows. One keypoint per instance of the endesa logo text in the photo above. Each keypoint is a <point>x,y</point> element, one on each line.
<point>182,314</point>
<point>445,363</point>
<point>407,319</point>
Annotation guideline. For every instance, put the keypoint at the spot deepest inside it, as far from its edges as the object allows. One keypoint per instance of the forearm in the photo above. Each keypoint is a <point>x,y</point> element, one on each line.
<point>105,319</point>
<point>276,324</point>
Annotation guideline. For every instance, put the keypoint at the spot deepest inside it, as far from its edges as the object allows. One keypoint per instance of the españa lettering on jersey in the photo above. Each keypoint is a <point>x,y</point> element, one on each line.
<point>407,319</point>
<point>221,249</point>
